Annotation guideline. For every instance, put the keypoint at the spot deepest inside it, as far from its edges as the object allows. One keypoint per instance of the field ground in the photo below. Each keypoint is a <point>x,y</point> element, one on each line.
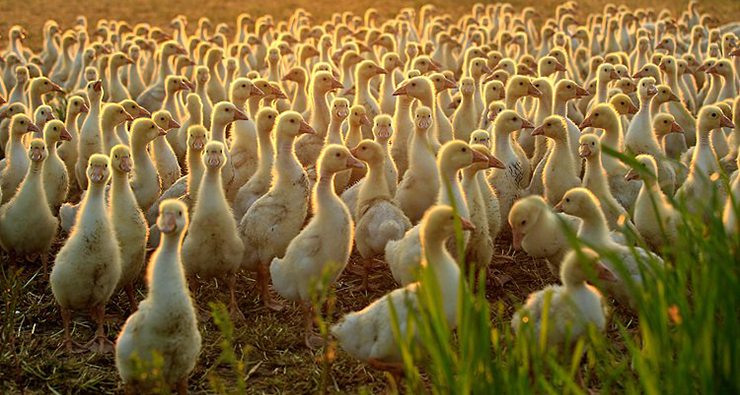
<point>33,13</point>
<point>276,359</point>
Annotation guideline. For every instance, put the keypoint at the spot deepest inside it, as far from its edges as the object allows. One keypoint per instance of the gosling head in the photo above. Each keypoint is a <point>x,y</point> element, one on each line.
<point>173,217</point>
<point>523,217</point>
<point>383,129</point>
<point>98,172</point>
<point>197,137</point>
<point>37,151</point>
<point>292,124</point>
<point>21,124</point>
<point>120,159</point>
<point>164,120</point>
<point>214,157</point>
<point>335,158</point>
<point>55,131</point>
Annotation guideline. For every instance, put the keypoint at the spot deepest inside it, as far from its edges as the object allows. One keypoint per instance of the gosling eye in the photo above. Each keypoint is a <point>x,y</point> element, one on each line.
<point>567,200</point>
<point>524,221</point>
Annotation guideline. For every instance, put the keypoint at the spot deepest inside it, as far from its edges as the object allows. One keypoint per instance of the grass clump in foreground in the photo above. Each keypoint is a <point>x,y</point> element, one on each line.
<point>686,342</point>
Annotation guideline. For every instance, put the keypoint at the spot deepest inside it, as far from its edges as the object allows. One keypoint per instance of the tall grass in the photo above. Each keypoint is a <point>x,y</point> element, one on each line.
<point>687,324</point>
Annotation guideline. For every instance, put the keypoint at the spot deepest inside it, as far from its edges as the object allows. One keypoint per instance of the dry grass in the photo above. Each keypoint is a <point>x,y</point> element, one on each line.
<point>272,343</point>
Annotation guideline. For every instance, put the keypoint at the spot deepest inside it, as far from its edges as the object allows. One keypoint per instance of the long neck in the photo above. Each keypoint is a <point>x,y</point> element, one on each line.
<point>211,191</point>
<point>164,67</point>
<point>320,106</point>
<point>32,186</point>
<point>325,198</point>
<point>218,131</point>
<point>166,276</point>
<point>594,177</point>
<point>448,179</point>
<point>267,153</point>
<point>121,194</point>
<point>594,224</point>
<point>286,163</point>
<point>93,207</point>
<point>195,171</point>
<point>375,186</point>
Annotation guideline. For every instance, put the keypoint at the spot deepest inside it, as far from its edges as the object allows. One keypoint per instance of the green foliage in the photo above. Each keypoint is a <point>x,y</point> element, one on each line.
<point>683,338</point>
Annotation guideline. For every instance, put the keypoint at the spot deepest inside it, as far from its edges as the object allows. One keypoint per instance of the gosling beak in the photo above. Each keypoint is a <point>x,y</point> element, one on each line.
<point>605,274</point>
<point>33,128</point>
<point>214,159</point>
<point>492,116</point>
<point>479,157</point>
<point>64,135</point>
<point>384,132</point>
<point>353,162</point>
<point>173,124</point>
<point>586,123</point>
<point>559,66</point>
<point>676,128</point>
<point>240,115</point>
<point>580,92</point>
<point>198,143</point>
<point>637,75</point>
<point>584,150</point>
<point>401,90</point>
<point>35,154</point>
<point>167,222</point>
<point>380,71</point>
<point>143,113</point>
<point>187,85</point>
<point>613,76</point>
<point>726,122</point>
<point>56,88</point>
<point>129,118</point>
<point>527,125</point>
<point>532,91</point>
<point>453,105</point>
<point>632,109</point>
<point>161,132</point>
<point>495,163</point>
<point>305,128</point>
<point>450,84</point>
<point>364,120</point>
<point>125,164</point>
<point>518,236</point>
<point>466,224</point>
<point>558,207</point>
<point>539,131</point>
<point>96,174</point>
<point>254,91</point>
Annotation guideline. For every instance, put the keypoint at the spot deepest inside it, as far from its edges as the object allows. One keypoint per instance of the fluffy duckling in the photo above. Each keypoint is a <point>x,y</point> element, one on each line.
<point>382,131</point>
<point>90,139</point>
<point>379,220</point>
<point>259,183</point>
<point>145,180</point>
<point>403,128</point>
<point>465,118</point>
<point>194,109</point>
<point>479,248</point>
<point>538,230</point>
<point>507,182</point>
<point>112,115</point>
<point>339,112</point>
<point>324,244</point>
<point>419,186</point>
<point>603,116</point>
<point>56,180</point>
<point>128,222</point>
<point>582,203</point>
<point>357,120</point>
<point>278,216</point>
<point>559,174</point>
<point>212,247</point>
<point>699,185</point>
<point>17,161</point>
<point>165,322</point>
<point>162,153</point>
<point>368,334</point>
<point>595,180</point>
<point>573,306</point>
<point>664,125</point>
<point>68,149</point>
<point>655,218</point>
<point>27,225</point>
<point>404,255</point>
<point>88,266</point>
<point>225,113</point>
<point>638,138</point>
